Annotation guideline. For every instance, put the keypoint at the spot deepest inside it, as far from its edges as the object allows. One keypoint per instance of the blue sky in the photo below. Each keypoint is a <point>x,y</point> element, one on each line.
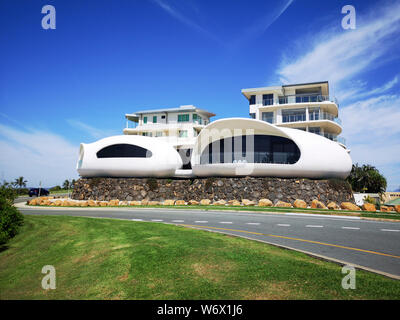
<point>107,58</point>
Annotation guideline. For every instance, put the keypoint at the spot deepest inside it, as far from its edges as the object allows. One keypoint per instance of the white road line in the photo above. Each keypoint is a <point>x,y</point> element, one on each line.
<point>313,226</point>
<point>351,228</point>
<point>390,230</point>
<point>200,221</point>
<point>156,220</point>
<point>253,223</point>
<point>226,222</point>
<point>137,219</point>
<point>178,220</point>
<point>283,225</point>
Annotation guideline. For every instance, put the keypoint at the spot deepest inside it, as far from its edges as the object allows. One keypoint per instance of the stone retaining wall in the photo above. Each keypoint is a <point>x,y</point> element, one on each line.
<point>275,189</point>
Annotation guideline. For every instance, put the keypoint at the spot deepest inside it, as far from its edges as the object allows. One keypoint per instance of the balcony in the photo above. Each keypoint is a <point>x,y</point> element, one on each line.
<point>298,98</point>
<point>334,137</point>
<point>321,115</point>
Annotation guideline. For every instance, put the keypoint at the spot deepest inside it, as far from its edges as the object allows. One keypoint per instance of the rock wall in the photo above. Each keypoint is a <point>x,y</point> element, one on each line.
<point>252,188</point>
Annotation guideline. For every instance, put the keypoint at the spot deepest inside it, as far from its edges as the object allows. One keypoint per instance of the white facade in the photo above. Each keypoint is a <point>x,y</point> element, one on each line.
<point>161,160</point>
<point>318,157</point>
<point>307,107</point>
<point>177,126</point>
<point>181,142</point>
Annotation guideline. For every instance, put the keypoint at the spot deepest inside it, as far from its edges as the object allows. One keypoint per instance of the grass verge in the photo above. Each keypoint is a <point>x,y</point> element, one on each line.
<point>116,259</point>
<point>366,214</point>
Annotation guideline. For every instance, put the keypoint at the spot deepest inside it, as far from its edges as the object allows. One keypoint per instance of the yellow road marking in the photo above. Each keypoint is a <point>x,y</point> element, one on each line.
<point>297,239</point>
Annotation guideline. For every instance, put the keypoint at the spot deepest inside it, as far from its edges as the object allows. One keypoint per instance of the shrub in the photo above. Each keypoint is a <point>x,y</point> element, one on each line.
<point>368,199</point>
<point>10,218</point>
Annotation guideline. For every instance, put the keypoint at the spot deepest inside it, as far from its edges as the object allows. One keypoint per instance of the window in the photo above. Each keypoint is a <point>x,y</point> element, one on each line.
<point>183,117</point>
<point>162,117</point>
<point>268,117</point>
<point>268,99</point>
<point>124,151</point>
<point>293,115</point>
<point>283,100</point>
<point>252,99</point>
<point>144,119</point>
<point>252,115</point>
<point>183,133</point>
<point>316,130</point>
<point>154,119</point>
<point>314,113</point>
<point>147,134</point>
<point>159,134</point>
<point>266,149</point>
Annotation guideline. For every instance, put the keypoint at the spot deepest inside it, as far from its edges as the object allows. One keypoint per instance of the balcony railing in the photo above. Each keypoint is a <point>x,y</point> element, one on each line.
<point>334,137</point>
<point>298,98</point>
<point>321,115</point>
<point>293,118</point>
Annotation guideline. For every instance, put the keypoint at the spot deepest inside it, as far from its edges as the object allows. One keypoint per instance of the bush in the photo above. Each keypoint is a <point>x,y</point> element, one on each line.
<point>10,218</point>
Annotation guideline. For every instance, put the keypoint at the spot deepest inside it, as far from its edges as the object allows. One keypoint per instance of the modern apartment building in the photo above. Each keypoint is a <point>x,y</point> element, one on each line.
<point>180,126</point>
<point>289,135</point>
<point>306,106</point>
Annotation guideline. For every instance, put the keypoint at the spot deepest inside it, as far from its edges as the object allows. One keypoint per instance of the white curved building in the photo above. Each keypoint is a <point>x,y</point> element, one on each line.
<point>128,156</point>
<point>293,133</point>
<point>247,147</point>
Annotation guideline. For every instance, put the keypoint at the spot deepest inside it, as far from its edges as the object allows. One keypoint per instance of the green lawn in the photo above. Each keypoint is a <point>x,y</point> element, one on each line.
<point>116,259</point>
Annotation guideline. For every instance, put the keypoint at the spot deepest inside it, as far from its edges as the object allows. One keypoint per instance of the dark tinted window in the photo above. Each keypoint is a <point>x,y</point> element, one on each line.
<point>124,151</point>
<point>266,149</point>
<point>253,99</point>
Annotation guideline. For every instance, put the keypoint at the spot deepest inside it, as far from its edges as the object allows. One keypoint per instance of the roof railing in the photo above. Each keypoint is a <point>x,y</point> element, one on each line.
<point>299,98</point>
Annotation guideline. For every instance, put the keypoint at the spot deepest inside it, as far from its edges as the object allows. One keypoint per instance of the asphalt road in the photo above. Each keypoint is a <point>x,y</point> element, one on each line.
<point>372,245</point>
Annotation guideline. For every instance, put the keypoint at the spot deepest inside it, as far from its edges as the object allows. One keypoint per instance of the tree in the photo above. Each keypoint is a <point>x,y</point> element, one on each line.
<point>66,185</point>
<point>20,182</point>
<point>366,179</point>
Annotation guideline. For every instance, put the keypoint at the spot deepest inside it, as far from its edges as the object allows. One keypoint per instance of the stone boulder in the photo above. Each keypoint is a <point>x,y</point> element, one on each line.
<point>333,206</point>
<point>298,203</point>
<point>368,207</point>
<point>386,209</point>
<point>169,202</point>
<point>113,203</point>
<point>219,203</point>
<point>144,202</point>
<point>92,203</point>
<point>103,203</point>
<point>83,204</point>
<point>193,202</point>
<point>153,203</point>
<point>397,208</point>
<point>180,202</point>
<point>349,206</point>
<point>135,203</point>
<point>247,202</point>
<point>234,203</point>
<point>33,202</point>
<point>265,203</point>
<point>205,202</point>
<point>316,204</point>
<point>282,204</point>
<point>58,203</point>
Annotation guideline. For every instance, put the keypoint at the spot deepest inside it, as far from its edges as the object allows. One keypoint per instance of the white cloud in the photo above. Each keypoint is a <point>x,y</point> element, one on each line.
<point>338,56</point>
<point>370,116</point>
<point>185,12</point>
<point>93,132</point>
<point>37,156</point>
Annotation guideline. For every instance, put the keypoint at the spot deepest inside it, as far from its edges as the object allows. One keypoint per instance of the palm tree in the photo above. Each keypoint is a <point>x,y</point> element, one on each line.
<point>66,185</point>
<point>20,182</point>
